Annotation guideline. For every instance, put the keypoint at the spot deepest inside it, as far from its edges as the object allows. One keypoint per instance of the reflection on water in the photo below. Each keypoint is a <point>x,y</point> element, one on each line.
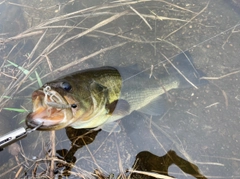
<point>54,38</point>
<point>79,138</point>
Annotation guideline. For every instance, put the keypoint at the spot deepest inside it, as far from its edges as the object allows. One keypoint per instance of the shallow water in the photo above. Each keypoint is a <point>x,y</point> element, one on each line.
<point>201,125</point>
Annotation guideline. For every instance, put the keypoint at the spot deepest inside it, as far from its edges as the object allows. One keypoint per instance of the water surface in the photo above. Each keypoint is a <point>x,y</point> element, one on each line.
<point>58,37</point>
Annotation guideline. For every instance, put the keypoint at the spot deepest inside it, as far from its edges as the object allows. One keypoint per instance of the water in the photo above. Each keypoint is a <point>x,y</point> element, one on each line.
<point>202,125</point>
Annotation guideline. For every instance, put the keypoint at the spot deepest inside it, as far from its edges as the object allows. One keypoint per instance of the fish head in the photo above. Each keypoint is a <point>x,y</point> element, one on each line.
<point>84,99</point>
<point>54,106</point>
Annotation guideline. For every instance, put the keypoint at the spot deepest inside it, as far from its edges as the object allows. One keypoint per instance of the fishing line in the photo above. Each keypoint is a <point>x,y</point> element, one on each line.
<point>221,33</point>
<point>164,61</point>
<point>211,38</point>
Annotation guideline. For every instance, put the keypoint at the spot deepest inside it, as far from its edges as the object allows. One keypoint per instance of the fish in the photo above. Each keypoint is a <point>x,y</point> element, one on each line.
<point>98,97</point>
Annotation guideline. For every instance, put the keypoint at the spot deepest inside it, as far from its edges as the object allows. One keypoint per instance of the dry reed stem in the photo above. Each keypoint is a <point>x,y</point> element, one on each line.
<point>188,21</point>
<point>36,46</point>
<point>21,78</point>
<point>194,115</point>
<point>179,146</point>
<point>176,6</point>
<point>233,31</point>
<point>161,18</point>
<point>159,143</point>
<point>18,172</point>
<point>168,3</point>
<point>71,15</point>
<point>190,62</point>
<point>100,24</point>
<point>152,174</point>
<point>93,158</point>
<point>21,36</point>
<point>49,63</point>
<point>225,98</point>
<point>175,66</point>
<point>53,153</point>
<point>20,5</point>
<point>10,52</point>
<point>210,163</point>
<point>46,160</point>
<point>38,60</point>
<point>98,8</point>
<point>213,104</point>
<point>10,170</point>
<point>120,166</point>
<point>9,76</point>
<point>104,32</point>
<point>179,72</point>
<point>134,166</point>
<point>134,10</point>
<point>87,57</point>
<point>221,77</point>
<point>70,64</point>
<point>51,47</point>
<point>88,31</point>
<point>31,7</point>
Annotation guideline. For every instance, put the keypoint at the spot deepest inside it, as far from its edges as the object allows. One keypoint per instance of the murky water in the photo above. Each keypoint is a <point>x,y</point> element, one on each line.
<point>200,128</point>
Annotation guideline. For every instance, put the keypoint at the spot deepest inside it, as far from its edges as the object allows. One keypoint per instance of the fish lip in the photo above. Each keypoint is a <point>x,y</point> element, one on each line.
<point>32,124</point>
<point>51,118</point>
<point>37,93</point>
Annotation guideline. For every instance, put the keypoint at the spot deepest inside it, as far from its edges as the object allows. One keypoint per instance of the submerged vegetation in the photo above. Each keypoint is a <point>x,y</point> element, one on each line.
<point>198,131</point>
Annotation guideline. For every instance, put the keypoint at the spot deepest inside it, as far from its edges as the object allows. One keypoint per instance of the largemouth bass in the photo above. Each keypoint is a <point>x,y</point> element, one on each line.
<point>96,98</point>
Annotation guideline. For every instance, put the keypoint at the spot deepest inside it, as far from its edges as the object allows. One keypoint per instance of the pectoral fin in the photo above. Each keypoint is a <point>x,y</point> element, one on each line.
<point>119,107</point>
<point>157,107</point>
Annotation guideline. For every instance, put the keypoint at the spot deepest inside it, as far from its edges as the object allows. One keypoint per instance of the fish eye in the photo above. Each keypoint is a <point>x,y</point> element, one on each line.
<point>73,105</point>
<point>66,86</point>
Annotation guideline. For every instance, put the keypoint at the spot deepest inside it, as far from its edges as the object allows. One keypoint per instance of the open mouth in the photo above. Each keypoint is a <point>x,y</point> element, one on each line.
<point>49,109</point>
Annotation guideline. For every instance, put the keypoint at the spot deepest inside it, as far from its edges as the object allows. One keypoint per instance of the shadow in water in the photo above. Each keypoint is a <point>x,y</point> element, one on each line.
<point>79,138</point>
<point>145,161</point>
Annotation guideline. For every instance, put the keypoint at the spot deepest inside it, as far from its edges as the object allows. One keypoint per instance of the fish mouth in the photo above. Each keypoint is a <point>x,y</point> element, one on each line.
<point>49,109</point>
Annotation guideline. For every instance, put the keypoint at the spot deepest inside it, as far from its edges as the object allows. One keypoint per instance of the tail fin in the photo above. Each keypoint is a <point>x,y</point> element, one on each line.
<point>184,63</point>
